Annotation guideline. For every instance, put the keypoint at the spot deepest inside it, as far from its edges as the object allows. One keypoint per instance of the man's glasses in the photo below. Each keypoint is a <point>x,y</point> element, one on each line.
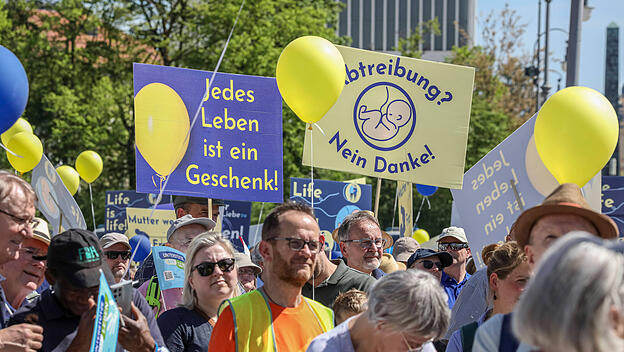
<point>452,246</point>
<point>207,268</point>
<point>368,243</point>
<point>34,253</point>
<point>112,255</point>
<point>32,222</point>
<point>296,244</point>
<point>428,264</point>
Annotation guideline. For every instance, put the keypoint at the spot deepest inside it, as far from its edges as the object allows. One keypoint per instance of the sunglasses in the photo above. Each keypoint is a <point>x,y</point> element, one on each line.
<point>112,255</point>
<point>428,264</point>
<point>207,268</point>
<point>297,244</point>
<point>452,246</point>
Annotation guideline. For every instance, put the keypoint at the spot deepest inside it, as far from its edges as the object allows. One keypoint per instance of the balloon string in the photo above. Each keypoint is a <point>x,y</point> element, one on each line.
<point>92,210</point>
<point>132,257</point>
<point>259,218</point>
<point>206,92</point>
<point>396,198</point>
<point>420,208</point>
<point>9,151</point>
<point>159,198</point>
<point>311,191</point>
<point>320,129</point>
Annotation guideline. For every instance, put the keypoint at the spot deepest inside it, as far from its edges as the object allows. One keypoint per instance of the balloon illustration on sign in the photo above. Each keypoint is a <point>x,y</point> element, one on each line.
<point>13,89</point>
<point>310,76</point>
<point>576,132</point>
<point>161,126</point>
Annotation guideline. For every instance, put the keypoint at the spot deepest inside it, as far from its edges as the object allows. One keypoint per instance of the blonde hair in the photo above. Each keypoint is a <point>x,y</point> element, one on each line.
<point>349,303</point>
<point>502,259</point>
<point>203,240</point>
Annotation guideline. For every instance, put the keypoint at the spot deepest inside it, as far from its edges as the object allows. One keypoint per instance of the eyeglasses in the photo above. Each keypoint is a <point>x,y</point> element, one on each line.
<point>112,255</point>
<point>452,246</point>
<point>32,222</point>
<point>207,268</point>
<point>296,244</point>
<point>428,264</point>
<point>368,243</point>
<point>34,253</point>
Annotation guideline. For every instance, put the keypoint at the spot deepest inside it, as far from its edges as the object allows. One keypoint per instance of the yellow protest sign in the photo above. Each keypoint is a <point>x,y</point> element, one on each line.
<point>156,226</point>
<point>406,219</point>
<point>397,118</point>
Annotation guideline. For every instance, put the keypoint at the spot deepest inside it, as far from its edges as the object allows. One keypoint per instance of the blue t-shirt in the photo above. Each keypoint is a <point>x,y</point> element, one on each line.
<point>184,330</point>
<point>452,287</point>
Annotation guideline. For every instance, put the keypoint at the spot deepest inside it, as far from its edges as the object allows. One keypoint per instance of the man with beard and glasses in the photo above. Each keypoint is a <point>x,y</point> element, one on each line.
<point>362,242</point>
<point>277,316</point>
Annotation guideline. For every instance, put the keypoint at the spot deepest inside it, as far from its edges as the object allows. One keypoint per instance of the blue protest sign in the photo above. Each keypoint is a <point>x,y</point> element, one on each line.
<point>487,204</point>
<point>169,264</point>
<point>333,201</point>
<point>106,326</point>
<point>235,147</point>
<point>612,182</point>
<point>118,201</point>
<point>54,201</point>
<point>236,220</point>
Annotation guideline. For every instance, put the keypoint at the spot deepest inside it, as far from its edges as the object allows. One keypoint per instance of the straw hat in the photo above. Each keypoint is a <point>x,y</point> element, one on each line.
<point>389,265</point>
<point>566,199</point>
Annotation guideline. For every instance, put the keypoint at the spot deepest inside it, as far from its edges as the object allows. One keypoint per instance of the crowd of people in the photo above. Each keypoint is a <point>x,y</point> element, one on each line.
<point>537,291</point>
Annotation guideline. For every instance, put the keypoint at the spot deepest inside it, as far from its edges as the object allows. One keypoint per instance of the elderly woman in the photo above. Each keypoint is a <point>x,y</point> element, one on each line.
<point>210,277</point>
<point>24,275</point>
<point>508,273</point>
<point>406,311</point>
<point>575,302</point>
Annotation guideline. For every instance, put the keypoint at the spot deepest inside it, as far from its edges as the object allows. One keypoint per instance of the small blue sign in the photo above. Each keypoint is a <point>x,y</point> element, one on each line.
<point>236,220</point>
<point>118,201</point>
<point>235,147</point>
<point>333,200</point>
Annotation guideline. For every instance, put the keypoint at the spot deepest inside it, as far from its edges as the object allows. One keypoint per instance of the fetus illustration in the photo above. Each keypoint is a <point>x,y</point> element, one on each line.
<point>384,126</point>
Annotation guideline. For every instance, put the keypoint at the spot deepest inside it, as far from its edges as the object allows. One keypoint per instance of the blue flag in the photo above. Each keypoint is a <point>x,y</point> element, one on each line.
<point>106,325</point>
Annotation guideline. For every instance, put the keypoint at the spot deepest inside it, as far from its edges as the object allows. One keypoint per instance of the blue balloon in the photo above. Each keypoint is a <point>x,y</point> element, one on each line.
<point>13,89</point>
<point>426,190</point>
<point>144,247</point>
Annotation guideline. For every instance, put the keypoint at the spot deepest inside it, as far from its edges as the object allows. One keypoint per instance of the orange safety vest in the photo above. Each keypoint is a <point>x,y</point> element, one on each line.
<point>253,321</point>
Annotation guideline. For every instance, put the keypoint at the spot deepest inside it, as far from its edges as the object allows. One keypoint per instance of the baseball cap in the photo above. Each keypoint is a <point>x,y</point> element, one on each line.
<point>244,261</point>
<point>455,232</point>
<point>113,238</point>
<point>188,220</point>
<point>445,258</point>
<point>41,231</point>
<point>404,247</point>
<point>76,255</point>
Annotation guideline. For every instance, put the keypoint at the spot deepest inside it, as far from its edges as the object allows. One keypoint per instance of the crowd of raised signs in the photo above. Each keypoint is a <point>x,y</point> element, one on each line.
<point>555,284</point>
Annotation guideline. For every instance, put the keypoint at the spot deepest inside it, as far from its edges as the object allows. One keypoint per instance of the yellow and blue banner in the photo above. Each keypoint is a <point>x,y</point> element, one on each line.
<point>397,118</point>
<point>152,223</point>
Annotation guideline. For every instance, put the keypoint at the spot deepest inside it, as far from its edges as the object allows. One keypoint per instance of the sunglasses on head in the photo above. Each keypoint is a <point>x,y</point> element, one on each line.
<point>428,264</point>
<point>452,246</point>
<point>112,255</point>
<point>207,268</point>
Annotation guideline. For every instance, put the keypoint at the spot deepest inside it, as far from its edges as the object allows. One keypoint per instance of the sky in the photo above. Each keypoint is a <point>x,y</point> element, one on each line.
<point>593,37</point>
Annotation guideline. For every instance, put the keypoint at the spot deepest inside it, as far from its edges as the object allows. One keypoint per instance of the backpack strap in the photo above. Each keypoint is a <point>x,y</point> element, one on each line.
<point>468,332</point>
<point>508,342</point>
<point>152,296</point>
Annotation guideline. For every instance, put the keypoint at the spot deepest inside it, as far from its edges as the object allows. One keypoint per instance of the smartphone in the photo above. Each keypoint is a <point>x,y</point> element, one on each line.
<point>122,292</point>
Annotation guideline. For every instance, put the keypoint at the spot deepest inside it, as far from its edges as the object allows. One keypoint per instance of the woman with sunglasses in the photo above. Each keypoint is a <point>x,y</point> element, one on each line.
<point>508,273</point>
<point>210,277</point>
<point>430,261</point>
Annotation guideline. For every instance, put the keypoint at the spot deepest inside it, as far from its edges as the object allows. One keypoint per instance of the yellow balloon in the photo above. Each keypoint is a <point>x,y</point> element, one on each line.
<point>310,76</point>
<point>576,132</point>
<point>161,125</point>
<point>421,236</point>
<point>89,165</point>
<point>20,125</point>
<point>29,149</point>
<point>70,178</point>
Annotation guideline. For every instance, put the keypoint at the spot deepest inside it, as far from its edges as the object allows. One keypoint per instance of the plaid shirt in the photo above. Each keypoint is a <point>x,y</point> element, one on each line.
<point>145,271</point>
